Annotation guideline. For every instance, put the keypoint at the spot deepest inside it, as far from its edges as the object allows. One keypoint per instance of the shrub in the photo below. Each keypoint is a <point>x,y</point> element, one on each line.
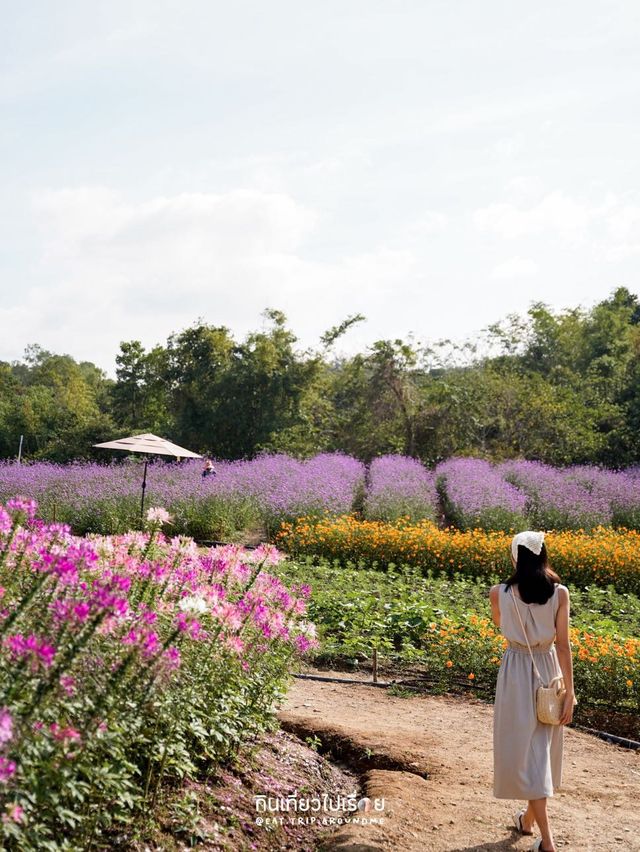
<point>127,661</point>
<point>400,487</point>
<point>475,495</point>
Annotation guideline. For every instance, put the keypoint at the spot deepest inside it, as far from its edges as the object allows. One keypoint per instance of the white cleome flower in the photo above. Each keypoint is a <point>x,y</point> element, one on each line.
<point>193,604</point>
<point>158,515</point>
<point>304,628</point>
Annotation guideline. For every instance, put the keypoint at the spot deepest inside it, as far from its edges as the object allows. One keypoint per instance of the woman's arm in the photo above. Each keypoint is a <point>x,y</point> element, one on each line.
<point>563,649</point>
<point>494,592</point>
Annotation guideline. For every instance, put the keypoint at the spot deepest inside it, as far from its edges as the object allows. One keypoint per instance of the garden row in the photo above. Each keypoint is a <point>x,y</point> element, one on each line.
<point>441,628</point>
<point>464,493</point>
<point>601,557</point>
<point>515,494</point>
<point>128,663</point>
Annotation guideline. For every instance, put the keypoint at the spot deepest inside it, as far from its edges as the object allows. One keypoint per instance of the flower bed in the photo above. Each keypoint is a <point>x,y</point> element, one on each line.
<point>559,499</point>
<point>284,487</point>
<point>620,489</point>
<point>126,662</point>
<point>476,495</point>
<point>258,494</point>
<point>601,557</point>
<point>400,487</point>
<point>106,498</point>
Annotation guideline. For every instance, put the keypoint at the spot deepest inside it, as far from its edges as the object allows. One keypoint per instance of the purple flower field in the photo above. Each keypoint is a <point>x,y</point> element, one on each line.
<point>258,494</point>
<point>106,498</point>
<point>284,486</point>
<point>575,498</point>
<point>475,494</point>
<point>621,489</point>
<point>399,487</point>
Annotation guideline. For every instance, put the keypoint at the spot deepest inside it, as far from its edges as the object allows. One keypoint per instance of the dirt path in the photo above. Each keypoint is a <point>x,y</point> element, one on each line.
<point>448,741</point>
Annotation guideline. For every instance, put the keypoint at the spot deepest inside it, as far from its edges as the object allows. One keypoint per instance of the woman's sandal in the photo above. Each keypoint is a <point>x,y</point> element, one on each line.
<point>517,819</point>
<point>537,846</point>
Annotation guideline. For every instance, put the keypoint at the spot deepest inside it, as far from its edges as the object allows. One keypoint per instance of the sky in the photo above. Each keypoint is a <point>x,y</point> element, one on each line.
<point>435,165</point>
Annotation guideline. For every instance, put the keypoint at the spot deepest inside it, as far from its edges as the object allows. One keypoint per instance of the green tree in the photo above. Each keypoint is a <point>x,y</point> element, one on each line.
<point>58,405</point>
<point>195,369</point>
<point>271,390</point>
<point>129,390</point>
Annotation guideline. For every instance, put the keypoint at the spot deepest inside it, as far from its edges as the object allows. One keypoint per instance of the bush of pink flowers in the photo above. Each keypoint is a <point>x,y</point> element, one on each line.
<point>127,662</point>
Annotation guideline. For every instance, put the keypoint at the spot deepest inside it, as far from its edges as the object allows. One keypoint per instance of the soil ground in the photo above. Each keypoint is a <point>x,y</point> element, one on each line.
<point>430,758</point>
<point>219,814</point>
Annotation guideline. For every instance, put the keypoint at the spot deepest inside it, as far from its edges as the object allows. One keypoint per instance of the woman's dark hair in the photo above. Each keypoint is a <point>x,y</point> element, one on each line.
<point>533,575</point>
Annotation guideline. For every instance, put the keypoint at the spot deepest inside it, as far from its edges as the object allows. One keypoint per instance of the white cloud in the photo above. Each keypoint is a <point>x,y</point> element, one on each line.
<point>248,222</point>
<point>556,212</point>
<point>431,222</point>
<point>620,252</point>
<point>525,187</point>
<point>115,269</point>
<point>624,223</point>
<point>514,267</point>
<point>603,231</point>
<point>509,147</point>
<point>360,179</point>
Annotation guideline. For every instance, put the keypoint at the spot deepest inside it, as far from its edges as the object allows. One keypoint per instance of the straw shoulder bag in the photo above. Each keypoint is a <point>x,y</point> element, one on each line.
<point>549,698</point>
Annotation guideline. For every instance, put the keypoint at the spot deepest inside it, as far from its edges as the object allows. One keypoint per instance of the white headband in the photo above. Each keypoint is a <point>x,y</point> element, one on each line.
<point>529,539</point>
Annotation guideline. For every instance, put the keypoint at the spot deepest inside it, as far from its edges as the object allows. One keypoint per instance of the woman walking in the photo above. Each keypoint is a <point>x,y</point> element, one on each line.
<point>527,754</point>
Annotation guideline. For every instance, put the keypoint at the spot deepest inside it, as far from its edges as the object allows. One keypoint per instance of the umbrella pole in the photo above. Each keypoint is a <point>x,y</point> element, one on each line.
<point>144,486</point>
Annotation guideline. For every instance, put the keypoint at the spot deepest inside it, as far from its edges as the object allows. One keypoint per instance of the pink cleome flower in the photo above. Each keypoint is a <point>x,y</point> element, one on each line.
<point>23,505</point>
<point>7,769</point>
<point>190,626</point>
<point>6,522</point>
<point>15,813</point>
<point>68,683</point>
<point>302,644</point>
<point>6,726</point>
<point>235,644</point>
<point>38,650</point>
<point>65,735</point>
<point>172,658</point>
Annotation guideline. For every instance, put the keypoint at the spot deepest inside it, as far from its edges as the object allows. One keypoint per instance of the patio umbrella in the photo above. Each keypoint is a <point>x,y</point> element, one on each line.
<point>150,445</point>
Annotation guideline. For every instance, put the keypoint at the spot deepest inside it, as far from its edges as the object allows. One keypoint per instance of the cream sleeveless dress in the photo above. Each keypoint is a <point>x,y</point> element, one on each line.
<point>527,754</point>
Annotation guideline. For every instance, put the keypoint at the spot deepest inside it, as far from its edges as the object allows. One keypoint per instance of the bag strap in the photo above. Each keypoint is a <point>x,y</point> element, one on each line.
<point>525,636</point>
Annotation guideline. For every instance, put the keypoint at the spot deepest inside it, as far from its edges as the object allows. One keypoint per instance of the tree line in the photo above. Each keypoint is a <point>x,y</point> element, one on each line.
<point>558,386</point>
